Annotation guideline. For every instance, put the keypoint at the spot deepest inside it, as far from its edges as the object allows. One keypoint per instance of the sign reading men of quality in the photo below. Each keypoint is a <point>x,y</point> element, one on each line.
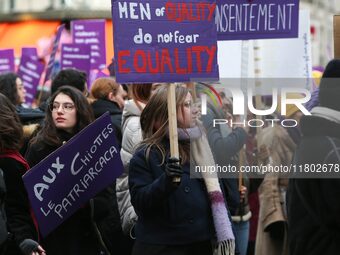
<point>260,19</point>
<point>72,175</point>
<point>164,41</point>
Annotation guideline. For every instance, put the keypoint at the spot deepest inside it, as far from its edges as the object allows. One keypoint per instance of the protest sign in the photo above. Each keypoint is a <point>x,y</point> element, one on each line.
<point>91,32</point>
<point>30,51</point>
<point>6,61</point>
<point>30,71</point>
<point>161,41</point>
<point>69,177</point>
<point>50,66</point>
<point>76,56</point>
<point>244,19</point>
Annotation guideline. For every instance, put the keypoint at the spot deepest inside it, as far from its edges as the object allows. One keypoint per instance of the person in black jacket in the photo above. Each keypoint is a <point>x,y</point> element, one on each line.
<point>17,207</point>
<point>109,97</point>
<point>313,199</point>
<point>176,213</point>
<point>69,112</point>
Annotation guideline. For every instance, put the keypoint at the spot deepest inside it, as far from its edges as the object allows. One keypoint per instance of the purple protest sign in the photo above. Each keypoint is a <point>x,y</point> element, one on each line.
<point>50,65</point>
<point>30,71</point>
<point>30,51</point>
<point>91,32</point>
<point>163,41</point>
<point>69,177</point>
<point>76,56</point>
<point>6,61</point>
<point>95,74</point>
<point>260,19</point>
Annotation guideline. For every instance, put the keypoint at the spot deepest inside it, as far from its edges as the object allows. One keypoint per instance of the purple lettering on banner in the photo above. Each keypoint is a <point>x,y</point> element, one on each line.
<point>30,71</point>
<point>91,32</point>
<point>69,177</point>
<point>7,61</point>
<point>164,41</point>
<point>260,19</point>
<point>30,51</point>
<point>76,56</point>
<point>50,65</point>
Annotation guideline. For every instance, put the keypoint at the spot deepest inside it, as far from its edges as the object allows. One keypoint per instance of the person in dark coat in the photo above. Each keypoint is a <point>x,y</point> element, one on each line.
<point>109,97</point>
<point>313,199</point>
<point>176,217</point>
<point>17,207</point>
<point>69,113</point>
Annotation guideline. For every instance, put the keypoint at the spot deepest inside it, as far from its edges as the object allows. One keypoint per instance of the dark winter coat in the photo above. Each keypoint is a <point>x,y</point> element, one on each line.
<point>101,106</point>
<point>313,204</point>
<point>168,215</point>
<point>79,233</point>
<point>17,206</point>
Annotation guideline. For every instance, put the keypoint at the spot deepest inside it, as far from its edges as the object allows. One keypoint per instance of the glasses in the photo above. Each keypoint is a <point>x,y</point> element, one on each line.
<point>67,107</point>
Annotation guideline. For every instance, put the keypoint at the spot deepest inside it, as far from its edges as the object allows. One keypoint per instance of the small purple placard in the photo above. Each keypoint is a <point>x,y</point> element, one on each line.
<point>69,177</point>
<point>91,32</point>
<point>260,19</point>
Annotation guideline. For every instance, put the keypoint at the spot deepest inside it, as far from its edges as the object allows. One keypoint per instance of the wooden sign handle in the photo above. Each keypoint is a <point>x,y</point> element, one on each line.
<point>173,134</point>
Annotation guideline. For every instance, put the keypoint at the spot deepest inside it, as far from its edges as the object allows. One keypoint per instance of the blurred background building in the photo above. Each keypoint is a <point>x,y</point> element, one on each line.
<point>321,12</point>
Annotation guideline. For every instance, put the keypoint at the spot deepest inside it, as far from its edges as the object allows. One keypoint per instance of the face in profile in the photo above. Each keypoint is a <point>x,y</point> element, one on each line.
<point>187,113</point>
<point>119,97</point>
<point>64,113</point>
<point>21,91</point>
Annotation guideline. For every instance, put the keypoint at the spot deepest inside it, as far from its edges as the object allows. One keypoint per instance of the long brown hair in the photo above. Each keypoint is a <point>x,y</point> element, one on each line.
<point>155,122</point>
<point>11,133</point>
<point>140,93</point>
<point>49,133</point>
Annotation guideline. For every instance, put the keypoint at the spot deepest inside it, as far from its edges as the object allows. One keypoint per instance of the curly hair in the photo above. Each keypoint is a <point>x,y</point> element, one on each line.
<point>11,132</point>
<point>49,132</point>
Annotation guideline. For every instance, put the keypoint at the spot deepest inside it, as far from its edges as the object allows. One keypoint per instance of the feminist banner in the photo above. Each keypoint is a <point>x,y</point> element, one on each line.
<point>69,177</point>
<point>260,19</point>
<point>91,32</point>
<point>77,56</point>
<point>30,71</point>
<point>6,61</point>
<point>164,41</point>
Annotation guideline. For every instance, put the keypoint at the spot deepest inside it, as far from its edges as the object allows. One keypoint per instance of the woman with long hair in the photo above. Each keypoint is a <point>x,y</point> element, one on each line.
<point>69,112</point>
<point>17,207</point>
<point>183,218</point>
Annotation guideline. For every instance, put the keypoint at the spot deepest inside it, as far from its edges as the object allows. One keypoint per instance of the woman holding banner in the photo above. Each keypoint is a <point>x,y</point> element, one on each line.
<point>69,113</point>
<point>13,166</point>
<point>176,218</point>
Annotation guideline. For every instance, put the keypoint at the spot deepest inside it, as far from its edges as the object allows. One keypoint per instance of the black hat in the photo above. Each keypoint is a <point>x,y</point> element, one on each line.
<point>329,94</point>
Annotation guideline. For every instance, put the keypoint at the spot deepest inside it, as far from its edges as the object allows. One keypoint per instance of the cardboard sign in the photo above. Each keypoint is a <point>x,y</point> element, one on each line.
<point>76,56</point>
<point>30,51</point>
<point>7,61</point>
<point>260,19</point>
<point>162,41</point>
<point>69,177</point>
<point>91,32</point>
<point>50,65</point>
<point>30,71</point>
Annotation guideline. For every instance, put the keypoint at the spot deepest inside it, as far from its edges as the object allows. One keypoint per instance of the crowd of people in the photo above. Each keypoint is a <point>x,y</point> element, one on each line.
<point>146,212</point>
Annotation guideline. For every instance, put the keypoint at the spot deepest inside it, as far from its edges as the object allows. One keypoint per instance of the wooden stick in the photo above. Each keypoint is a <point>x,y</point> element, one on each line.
<point>173,135</point>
